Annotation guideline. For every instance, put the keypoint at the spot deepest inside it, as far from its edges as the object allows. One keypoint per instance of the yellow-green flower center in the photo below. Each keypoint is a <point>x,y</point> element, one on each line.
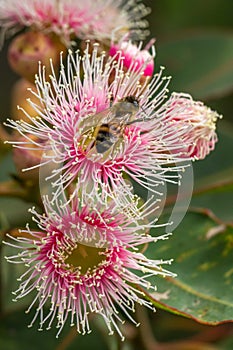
<point>85,258</point>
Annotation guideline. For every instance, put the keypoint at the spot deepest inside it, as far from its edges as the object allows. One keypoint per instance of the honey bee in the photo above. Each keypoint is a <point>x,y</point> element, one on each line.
<point>111,122</point>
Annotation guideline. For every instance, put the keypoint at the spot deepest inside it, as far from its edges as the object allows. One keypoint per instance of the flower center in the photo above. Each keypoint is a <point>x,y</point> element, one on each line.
<point>85,258</point>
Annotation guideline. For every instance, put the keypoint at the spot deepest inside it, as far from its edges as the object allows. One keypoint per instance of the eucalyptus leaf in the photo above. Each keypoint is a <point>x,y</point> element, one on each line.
<point>200,62</point>
<point>202,257</point>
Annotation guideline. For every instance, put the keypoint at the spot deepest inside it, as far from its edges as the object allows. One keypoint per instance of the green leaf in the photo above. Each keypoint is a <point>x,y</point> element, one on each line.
<point>203,287</point>
<point>199,62</point>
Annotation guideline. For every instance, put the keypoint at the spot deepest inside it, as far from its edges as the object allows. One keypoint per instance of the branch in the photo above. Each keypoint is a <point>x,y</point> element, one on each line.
<point>69,338</point>
<point>145,332</point>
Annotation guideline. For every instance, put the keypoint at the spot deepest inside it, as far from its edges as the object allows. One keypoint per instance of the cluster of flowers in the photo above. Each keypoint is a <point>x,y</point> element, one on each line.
<point>101,125</point>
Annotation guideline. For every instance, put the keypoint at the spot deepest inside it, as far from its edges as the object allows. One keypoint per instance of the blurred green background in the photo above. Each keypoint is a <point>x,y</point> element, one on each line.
<point>194,41</point>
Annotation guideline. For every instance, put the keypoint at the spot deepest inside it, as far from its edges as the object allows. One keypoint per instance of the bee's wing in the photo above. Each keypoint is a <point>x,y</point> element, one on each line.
<point>96,120</point>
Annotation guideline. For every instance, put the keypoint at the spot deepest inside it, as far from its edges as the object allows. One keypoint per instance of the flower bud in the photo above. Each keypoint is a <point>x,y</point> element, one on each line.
<point>27,158</point>
<point>20,94</point>
<point>133,58</point>
<point>199,121</point>
<point>27,49</point>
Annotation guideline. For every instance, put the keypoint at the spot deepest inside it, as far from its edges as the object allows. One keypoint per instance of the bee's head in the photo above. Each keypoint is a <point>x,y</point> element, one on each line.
<point>132,99</point>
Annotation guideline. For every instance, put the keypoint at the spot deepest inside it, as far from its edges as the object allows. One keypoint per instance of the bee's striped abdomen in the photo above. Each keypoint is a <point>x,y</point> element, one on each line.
<point>107,136</point>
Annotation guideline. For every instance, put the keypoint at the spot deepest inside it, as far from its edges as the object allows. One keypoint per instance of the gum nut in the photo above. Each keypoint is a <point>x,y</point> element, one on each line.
<point>27,49</point>
<point>20,94</point>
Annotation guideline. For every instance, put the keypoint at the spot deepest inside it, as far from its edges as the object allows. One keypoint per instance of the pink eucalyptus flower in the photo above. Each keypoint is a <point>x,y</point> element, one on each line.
<point>201,137</point>
<point>71,18</point>
<point>134,56</point>
<point>76,279</point>
<point>101,223</point>
<point>70,111</point>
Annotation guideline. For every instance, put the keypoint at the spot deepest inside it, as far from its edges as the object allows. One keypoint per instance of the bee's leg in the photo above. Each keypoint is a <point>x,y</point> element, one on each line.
<point>136,121</point>
<point>104,146</point>
<point>111,101</point>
